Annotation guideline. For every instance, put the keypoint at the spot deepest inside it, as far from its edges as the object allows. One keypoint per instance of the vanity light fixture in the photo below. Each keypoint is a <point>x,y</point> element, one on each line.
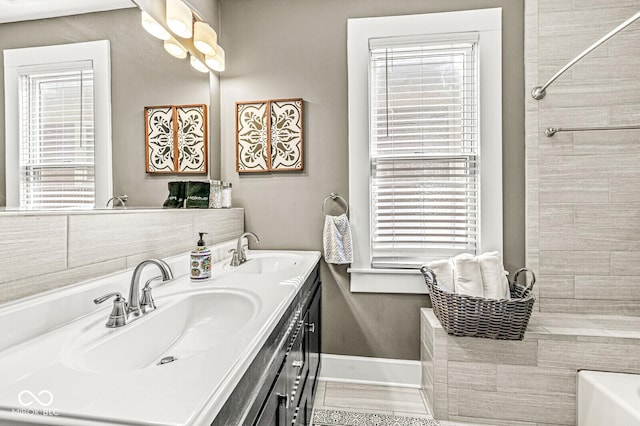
<point>185,33</point>
<point>197,64</point>
<point>216,62</point>
<point>179,18</point>
<point>153,28</point>
<point>174,48</point>
<point>205,38</point>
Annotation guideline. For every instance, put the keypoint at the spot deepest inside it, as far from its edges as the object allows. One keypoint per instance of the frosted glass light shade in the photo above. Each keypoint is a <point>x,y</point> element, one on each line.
<point>217,61</point>
<point>204,38</point>
<point>179,18</point>
<point>174,49</point>
<point>197,64</point>
<point>153,27</point>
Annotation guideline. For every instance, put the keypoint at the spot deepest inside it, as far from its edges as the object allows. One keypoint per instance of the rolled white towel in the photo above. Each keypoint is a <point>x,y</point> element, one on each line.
<point>468,277</point>
<point>494,281</point>
<point>444,274</point>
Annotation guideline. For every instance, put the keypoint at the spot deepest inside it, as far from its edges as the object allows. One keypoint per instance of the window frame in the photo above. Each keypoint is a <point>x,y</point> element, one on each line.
<point>98,52</point>
<point>487,23</point>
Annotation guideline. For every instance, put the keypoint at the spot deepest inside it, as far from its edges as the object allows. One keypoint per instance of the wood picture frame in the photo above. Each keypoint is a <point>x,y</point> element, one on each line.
<point>269,135</point>
<point>176,139</point>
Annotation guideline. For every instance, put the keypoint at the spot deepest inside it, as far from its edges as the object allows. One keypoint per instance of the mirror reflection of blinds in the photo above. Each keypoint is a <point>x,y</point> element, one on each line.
<point>57,136</point>
<point>424,152</point>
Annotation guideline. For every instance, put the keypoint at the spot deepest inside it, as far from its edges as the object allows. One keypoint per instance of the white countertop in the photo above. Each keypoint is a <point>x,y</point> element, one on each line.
<point>40,375</point>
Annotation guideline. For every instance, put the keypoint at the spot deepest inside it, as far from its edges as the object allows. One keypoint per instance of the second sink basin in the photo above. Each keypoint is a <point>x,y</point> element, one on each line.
<point>182,326</point>
<point>267,263</point>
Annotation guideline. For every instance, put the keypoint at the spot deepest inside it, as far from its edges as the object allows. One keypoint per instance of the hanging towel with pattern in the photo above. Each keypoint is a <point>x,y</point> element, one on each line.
<point>337,240</point>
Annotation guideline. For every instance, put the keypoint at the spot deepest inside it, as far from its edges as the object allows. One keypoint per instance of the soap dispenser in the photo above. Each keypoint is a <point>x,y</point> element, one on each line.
<point>201,261</point>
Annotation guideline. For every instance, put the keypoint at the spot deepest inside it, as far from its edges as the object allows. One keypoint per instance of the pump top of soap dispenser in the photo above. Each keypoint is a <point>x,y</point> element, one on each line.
<point>200,247</point>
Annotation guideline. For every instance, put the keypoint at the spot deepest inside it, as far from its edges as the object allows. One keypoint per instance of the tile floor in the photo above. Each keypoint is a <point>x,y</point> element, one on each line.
<point>391,400</point>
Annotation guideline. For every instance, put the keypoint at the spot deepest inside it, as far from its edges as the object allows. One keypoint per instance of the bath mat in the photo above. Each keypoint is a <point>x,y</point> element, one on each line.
<point>352,418</point>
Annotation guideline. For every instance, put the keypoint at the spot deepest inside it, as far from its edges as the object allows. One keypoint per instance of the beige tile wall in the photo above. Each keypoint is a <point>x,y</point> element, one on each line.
<point>39,252</point>
<point>583,191</point>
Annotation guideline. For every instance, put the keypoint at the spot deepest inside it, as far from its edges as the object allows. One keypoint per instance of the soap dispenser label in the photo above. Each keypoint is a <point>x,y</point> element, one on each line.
<point>201,260</point>
<point>201,265</point>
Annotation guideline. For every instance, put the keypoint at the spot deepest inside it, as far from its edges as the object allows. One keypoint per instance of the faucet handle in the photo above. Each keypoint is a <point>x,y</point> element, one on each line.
<point>106,297</point>
<point>147,304</point>
<point>235,258</point>
<point>118,316</point>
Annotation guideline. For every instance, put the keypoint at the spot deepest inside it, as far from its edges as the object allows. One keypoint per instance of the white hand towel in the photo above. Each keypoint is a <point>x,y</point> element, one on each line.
<point>494,280</point>
<point>444,274</point>
<point>468,277</point>
<point>336,239</point>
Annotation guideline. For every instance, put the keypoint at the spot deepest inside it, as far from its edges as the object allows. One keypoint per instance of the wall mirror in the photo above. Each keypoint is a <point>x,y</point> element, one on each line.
<point>142,74</point>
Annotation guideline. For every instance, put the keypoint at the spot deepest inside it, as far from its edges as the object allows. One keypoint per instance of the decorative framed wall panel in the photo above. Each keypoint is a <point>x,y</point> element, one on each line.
<point>286,134</point>
<point>273,144</point>
<point>176,139</point>
<point>159,129</point>
<point>252,141</point>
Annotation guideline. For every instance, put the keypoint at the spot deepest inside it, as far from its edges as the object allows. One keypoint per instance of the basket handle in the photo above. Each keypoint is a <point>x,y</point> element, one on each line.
<point>429,276</point>
<point>530,284</point>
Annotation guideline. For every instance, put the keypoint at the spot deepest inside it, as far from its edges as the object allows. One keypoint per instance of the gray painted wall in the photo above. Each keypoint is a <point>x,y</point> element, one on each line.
<point>142,73</point>
<point>297,48</point>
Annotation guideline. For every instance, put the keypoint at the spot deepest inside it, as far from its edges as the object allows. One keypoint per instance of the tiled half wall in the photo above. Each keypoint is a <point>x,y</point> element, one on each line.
<point>522,383</point>
<point>39,252</point>
<point>583,188</point>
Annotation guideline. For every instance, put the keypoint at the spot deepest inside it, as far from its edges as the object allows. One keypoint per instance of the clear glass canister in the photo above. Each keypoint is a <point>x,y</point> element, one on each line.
<point>226,195</point>
<point>215,195</point>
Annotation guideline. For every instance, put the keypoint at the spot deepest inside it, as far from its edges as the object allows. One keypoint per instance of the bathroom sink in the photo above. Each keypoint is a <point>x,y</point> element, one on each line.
<point>190,353</point>
<point>267,263</point>
<point>181,327</point>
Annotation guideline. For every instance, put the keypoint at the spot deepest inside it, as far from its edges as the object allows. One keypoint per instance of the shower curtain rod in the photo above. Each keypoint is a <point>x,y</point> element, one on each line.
<point>539,92</point>
<point>550,131</point>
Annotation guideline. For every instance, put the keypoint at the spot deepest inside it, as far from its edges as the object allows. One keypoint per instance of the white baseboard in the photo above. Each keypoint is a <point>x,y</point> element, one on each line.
<point>377,371</point>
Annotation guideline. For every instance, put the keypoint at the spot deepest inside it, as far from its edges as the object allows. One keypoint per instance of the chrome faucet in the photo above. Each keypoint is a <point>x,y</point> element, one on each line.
<point>123,311</point>
<point>133,306</point>
<point>239,256</point>
<point>122,199</point>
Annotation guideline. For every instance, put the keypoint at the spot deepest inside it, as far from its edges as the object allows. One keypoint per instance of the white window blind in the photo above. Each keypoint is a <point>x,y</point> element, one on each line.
<point>56,136</point>
<point>424,151</point>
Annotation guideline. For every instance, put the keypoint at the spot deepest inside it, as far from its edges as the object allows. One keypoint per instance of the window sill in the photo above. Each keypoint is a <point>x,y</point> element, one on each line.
<point>401,281</point>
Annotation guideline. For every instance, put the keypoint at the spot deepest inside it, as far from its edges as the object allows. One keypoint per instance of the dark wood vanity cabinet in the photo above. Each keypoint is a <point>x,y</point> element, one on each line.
<point>290,401</point>
<point>313,343</point>
<point>274,411</point>
<point>280,384</point>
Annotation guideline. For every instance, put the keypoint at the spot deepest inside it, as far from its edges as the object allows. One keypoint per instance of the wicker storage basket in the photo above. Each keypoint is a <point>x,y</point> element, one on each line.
<point>462,315</point>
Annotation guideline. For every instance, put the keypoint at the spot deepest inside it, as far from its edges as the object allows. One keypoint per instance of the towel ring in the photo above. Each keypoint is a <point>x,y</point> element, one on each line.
<point>333,197</point>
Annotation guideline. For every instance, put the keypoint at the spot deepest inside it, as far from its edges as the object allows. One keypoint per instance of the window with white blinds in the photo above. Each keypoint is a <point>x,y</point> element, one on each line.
<point>424,150</point>
<point>58,126</point>
<point>425,143</point>
<point>56,136</point>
